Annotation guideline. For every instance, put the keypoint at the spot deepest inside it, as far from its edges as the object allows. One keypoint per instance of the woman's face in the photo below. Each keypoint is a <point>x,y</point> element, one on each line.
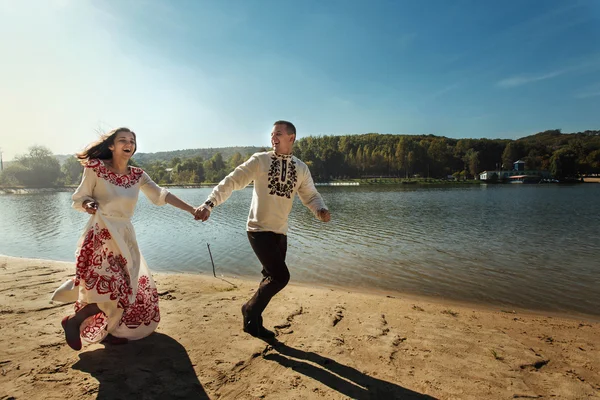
<point>123,145</point>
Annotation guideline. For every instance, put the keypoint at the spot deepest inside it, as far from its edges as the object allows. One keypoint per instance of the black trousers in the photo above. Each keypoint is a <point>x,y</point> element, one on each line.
<point>270,248</point>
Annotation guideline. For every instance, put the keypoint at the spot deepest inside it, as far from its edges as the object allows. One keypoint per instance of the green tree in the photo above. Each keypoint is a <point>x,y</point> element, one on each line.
<point>510,154</point>
<point>333,162</point>
<point>215,168</point>
<point>471,160</point>
<point>72,171</point>
<point>439,156</point>
<point>533,161</point>
<point>563,164</point>
<point>38,168</point>
<point>174,161</point>
<point>401,153</point>
<point>159,171</point>
<point>190,170</point>
<point>235,160</point>
<point>593,160</point>
<point>9,176</point>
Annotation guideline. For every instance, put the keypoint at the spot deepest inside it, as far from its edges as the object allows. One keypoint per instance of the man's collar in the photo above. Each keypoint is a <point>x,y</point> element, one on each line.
<point>283,155</point>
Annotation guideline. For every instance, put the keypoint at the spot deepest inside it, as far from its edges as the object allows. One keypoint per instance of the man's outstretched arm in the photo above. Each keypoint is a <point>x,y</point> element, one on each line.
<point>236,180</point>
<point>312,199</point>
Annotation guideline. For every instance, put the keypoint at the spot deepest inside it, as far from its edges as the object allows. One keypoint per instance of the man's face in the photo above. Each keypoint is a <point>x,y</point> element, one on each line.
<point>281,141</point>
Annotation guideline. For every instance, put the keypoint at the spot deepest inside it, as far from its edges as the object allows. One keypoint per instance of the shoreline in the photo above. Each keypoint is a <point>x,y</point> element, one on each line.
<point>479,305</point>
<point>331,344</point>
<point>351,183</point>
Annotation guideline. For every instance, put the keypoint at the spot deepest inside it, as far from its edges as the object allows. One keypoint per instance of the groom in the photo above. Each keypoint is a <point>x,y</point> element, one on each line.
<point>277,177</point>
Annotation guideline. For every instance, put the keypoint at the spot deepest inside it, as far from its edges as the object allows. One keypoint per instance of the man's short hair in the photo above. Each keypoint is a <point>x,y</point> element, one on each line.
<point>289,127</point>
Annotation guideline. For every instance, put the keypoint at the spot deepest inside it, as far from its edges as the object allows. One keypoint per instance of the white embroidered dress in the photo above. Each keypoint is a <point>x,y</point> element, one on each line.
<point>110,270</point>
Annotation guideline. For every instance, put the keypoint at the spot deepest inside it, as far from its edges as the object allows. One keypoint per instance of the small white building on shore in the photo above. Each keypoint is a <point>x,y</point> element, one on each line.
<point>518,170</point>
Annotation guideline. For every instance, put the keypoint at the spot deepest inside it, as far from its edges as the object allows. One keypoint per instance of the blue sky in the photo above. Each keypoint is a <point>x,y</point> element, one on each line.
<point>187,74</point>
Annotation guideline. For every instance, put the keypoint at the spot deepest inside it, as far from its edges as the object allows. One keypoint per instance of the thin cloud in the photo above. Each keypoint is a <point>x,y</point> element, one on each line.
<point>548,24</point>
<point>418,105</point>
<point>588,95</point>
<point>525,79</point>
<point>592,63</point>
<point>591,91</point>
<point>443,91</point>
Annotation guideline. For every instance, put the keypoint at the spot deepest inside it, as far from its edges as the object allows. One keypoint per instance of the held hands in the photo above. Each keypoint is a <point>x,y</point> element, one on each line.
<point>90,206</point>
<point>323,215</point>
<point>201,213</point>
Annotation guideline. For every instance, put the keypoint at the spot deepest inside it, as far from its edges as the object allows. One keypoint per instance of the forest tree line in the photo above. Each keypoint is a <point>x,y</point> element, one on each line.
<point>345,157</point>
<point>429,156</point>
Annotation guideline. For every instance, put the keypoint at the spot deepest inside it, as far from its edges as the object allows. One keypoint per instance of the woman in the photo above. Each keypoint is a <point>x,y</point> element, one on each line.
<point>116,298</point>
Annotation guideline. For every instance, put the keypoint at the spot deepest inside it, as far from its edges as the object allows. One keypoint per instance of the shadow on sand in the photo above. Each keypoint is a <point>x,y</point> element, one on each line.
<point>157,367</point>
<point>346,380</point>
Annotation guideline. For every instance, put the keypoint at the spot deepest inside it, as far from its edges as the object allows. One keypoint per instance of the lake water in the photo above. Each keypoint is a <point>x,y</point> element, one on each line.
<point>523,246</point>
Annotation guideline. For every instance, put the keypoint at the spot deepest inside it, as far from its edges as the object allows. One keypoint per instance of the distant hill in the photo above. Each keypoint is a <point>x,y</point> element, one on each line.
<point>551,138</point>
<point>226,152</point>
<point>555,138</point>
<point>146,158</point>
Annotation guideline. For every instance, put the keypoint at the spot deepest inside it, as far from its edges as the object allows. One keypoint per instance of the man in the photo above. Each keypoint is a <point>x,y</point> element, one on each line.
<point>277,176</point>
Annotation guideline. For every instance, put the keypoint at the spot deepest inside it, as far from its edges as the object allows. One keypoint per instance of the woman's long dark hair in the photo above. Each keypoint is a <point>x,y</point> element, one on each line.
<point>100,148</point>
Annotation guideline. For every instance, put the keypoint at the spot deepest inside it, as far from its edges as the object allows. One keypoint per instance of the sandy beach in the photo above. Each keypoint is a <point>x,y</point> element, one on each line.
<point>331,344</point>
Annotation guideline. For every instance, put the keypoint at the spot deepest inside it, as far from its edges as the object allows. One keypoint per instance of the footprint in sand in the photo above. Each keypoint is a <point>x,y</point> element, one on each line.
<point>381,330</point>
<point>338,314</point>
<point>396,347</point>
<point>285,328</point>
<point>384,329</point>
<point>166,295</point>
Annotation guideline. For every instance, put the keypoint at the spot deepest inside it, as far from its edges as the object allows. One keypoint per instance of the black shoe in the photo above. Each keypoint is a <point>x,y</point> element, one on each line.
<point>246,320</point>
<point>259,332</point>
<point>254,326</point>
<point>250,324</point>
<point>264,332</point>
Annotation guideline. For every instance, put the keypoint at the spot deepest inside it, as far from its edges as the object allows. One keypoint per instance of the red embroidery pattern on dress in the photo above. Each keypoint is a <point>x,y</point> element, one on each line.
<point>113,279</point>
<point>93,327</point>
<point>103,271</point>
<point>125,180</point>
<point>145,309</point>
